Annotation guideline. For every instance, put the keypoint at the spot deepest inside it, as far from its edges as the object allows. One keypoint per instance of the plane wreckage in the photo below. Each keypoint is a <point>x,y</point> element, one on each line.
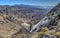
<point>47,19</point>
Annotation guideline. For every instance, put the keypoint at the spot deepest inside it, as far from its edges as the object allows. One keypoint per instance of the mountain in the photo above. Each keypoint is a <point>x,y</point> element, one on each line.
<point>13,17</point>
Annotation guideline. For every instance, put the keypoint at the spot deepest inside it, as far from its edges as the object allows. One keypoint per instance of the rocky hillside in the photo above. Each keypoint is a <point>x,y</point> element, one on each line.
<point>16,20</point>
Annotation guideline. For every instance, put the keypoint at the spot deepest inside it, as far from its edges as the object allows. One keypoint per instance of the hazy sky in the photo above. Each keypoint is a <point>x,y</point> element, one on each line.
<point>30,2</point>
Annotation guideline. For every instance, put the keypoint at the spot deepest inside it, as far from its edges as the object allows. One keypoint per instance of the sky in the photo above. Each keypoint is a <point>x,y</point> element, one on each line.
<point>30,2</point>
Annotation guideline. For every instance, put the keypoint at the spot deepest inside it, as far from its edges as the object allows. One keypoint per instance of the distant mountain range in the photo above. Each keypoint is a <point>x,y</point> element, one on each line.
<point>24,12</point>
<point>28,8</point>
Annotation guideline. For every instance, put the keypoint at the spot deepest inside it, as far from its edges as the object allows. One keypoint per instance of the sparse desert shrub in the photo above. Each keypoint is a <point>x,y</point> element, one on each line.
<point>38,35</point>
<point>44,29</point>
<point>57,34</point>
<point>42,33</point>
